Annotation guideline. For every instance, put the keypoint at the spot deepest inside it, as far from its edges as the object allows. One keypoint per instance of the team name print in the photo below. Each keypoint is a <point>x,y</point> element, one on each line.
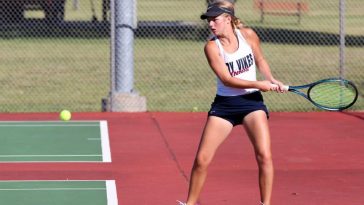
<point>243,65</point>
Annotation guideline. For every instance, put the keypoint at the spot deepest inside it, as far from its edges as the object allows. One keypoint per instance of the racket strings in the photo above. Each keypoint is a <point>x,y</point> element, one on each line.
<point>336,94</point>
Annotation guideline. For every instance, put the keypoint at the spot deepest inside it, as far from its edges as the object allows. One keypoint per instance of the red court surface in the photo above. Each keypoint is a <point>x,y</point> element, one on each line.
<point>318,158</point>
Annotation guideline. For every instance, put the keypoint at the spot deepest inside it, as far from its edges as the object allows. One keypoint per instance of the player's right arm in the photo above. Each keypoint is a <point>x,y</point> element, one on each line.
<point>219,67</point>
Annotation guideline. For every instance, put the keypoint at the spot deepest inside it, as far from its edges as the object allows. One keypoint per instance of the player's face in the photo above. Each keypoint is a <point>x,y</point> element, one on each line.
<point>218,24</point>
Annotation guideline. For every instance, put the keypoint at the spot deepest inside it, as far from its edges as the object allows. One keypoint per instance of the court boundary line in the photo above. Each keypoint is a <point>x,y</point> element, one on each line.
<point>55,189</point>
<point>49,123</point>
<point>111,193</point>
<point>54,180</point>
<point>110,188</point>
<point>105,142</point>
<point>49,155</point>
<point>104,137</point>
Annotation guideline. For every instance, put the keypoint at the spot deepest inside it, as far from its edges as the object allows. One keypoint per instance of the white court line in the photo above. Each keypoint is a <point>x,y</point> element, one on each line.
<point>73,123</point>
<point>46,121</point>
<point>96,139</point>
<point>112,197</point>
<point>63,125</point>
<point>111,192</point>
<point>105,144</point>
<point>54,189</point>
<point>49,155</point>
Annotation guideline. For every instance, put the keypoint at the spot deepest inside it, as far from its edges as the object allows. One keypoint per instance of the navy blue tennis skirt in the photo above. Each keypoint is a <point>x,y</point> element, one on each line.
<point>235,108</point>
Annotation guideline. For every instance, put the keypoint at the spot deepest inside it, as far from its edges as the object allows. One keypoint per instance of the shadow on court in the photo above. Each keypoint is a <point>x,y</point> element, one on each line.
<point>318,159</point>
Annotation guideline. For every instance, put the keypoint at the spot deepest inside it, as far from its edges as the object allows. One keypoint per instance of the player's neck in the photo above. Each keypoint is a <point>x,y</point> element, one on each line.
<point>229,41</point>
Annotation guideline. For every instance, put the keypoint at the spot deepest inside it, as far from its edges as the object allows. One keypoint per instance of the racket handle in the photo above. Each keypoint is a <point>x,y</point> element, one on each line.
<point>285,87</point>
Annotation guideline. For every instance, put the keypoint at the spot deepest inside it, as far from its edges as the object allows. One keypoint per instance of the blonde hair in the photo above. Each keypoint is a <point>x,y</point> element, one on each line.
<point>235,21</point>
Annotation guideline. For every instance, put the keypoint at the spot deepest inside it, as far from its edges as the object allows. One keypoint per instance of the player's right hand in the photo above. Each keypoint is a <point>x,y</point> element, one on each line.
<point>266,85</point>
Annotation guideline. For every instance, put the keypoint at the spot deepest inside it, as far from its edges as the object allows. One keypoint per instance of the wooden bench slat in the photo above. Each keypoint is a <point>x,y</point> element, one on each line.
<point>281,7</point>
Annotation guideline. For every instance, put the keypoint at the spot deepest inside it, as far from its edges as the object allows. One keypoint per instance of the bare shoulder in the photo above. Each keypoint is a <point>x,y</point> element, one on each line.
<point>210,45</point>
<point>250,35</point>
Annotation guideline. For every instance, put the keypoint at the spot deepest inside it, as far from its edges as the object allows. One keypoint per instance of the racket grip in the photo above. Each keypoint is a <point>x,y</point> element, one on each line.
<point>285,87</point>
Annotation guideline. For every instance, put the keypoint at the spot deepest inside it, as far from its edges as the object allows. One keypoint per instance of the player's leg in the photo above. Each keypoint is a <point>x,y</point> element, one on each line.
<point>256,125</point>
<point>215,132</point>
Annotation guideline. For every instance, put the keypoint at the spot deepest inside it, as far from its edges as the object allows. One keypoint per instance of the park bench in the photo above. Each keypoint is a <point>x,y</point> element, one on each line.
<point>281,7</point>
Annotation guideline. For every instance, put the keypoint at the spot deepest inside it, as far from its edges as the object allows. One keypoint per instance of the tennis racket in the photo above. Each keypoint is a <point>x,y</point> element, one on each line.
<point>332,94</point>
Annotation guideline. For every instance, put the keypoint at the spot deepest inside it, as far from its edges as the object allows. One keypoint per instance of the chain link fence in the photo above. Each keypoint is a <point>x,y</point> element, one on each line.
<point>56,55</point>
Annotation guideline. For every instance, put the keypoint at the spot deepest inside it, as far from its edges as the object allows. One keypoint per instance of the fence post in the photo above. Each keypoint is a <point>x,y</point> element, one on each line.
<point>123,97</point>
<point>342,38</point>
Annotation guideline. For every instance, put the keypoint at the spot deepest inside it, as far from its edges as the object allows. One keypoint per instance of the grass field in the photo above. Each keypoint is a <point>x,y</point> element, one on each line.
<point>178,78</point>
<point>322,15</point>
<point>31,83</point>
<point>36,77</point>
<point>172,74</point>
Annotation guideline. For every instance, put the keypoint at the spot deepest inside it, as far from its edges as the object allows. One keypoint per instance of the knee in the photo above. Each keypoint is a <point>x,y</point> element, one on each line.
<point>202,161</point>
<point>264,158</point>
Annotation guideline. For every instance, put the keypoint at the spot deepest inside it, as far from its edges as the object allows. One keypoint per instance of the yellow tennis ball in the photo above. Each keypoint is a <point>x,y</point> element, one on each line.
<point>195,109</point>
<point>65,115</point>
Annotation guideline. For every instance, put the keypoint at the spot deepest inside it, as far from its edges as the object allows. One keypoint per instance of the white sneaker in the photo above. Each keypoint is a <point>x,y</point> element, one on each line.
<point>181,203</point>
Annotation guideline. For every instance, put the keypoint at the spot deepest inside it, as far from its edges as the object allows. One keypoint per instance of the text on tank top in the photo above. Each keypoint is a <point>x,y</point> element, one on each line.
<point>240,64</point>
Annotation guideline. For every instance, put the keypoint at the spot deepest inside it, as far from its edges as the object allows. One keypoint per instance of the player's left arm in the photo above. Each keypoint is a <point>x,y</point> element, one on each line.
<point>262,64</point>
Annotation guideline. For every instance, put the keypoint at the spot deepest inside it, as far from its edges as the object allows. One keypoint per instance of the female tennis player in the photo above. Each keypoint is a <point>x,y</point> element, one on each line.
<point>234,54</point>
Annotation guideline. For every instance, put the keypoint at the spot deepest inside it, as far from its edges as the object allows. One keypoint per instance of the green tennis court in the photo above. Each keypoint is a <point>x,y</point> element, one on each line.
<point>58,192</point>
<point>54,141</point>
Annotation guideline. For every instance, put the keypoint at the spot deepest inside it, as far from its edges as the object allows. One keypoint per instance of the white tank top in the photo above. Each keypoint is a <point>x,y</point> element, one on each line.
<point>241,64</point>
